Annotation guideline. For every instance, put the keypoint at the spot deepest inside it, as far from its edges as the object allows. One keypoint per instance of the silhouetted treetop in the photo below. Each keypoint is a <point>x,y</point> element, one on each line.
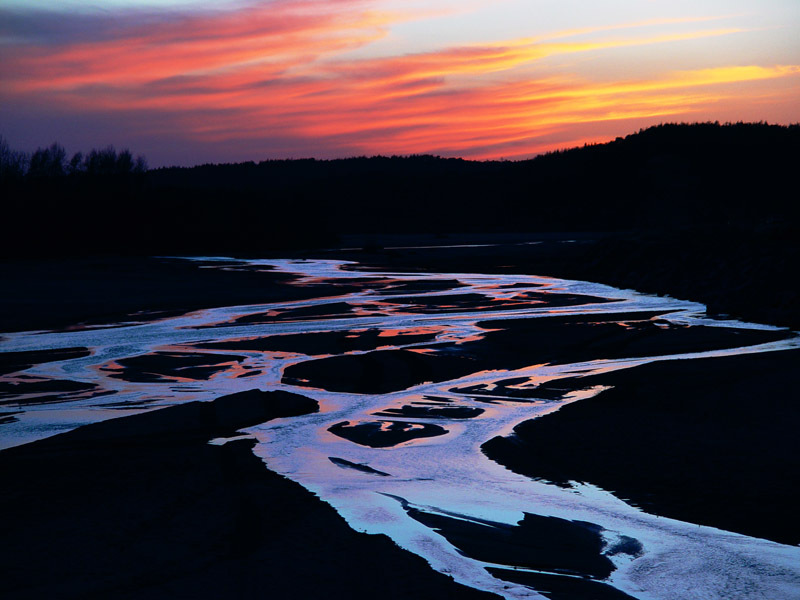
<point>107,161</point>
<point>52,162</point>
<point>48,162</point>
<point>13,164</point>
<point>665,177</point>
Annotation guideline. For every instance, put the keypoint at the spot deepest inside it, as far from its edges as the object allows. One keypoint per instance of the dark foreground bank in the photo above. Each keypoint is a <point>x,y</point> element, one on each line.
<point>711,441</point>
<point>144,507</point>
<point>56,292</point>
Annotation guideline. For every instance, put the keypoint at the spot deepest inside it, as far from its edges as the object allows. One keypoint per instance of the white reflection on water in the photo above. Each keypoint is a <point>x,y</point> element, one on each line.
<point>447,473</point>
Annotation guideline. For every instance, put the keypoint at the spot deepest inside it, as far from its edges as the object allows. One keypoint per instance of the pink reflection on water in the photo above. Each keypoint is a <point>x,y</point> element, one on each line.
<point>421,330</point>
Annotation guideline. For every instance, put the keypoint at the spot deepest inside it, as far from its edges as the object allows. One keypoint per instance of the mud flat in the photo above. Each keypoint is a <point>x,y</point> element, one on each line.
<point>144,507</point>
<point>709,441</point>
<point>516,343</point>
<point>93,291</point>
<point>744,271</point>
<point>564,558</point>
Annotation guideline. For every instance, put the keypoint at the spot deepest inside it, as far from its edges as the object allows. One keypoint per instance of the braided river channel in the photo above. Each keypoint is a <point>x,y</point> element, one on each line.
<point>414,373</point>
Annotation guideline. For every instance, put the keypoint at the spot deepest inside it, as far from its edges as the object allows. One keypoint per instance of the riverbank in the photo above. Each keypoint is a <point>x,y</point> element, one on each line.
<point>144,507</point>
<point>746,273</point>
<point>53,293</point>
<point>710,441</point>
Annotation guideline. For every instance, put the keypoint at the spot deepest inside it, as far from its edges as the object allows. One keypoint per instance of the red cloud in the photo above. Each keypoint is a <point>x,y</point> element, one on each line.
<point>279,73</point>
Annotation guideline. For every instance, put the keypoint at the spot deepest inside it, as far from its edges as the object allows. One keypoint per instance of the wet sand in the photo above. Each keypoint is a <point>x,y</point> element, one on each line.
<point>435,305</point>
<point>431,412</point>
<point>560,558</point>
<point>744,271</point>
<point>557,587</point>
<point>347,464</point>
<point>13,362</point>
<point>517,343</point>
<point>144,507</point>
<point>328,342</point>
<point>546,544</point>
<point>334,310</point>
<point>710,441</point>
<point>384,434</point>
<point>92,291</point>
<point>158,366</point>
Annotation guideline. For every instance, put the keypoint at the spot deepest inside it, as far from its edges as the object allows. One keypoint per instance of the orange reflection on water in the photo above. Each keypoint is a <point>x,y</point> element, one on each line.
<point>422,350</point>
<point>422,330</point>
<point>389,426</point>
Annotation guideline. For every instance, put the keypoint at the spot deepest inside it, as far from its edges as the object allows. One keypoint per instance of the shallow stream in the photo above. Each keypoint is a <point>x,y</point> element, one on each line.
<point>421,454</point>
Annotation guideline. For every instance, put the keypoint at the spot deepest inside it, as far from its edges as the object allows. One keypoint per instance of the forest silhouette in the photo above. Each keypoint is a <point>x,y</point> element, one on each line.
<point>667,177</point>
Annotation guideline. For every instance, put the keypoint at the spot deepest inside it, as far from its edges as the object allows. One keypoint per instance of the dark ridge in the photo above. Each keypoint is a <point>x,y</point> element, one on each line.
<point>662,177</point>
<point>710,441</point>
<point>143,507</point>
<point>697,211</point>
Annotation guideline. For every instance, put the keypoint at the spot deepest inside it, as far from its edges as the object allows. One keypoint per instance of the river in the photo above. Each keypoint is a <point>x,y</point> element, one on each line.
<point>420,455</point>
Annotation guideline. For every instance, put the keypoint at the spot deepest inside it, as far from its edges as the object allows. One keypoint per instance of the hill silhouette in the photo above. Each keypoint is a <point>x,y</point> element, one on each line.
<point>661,178</point>
<point>700,211</point>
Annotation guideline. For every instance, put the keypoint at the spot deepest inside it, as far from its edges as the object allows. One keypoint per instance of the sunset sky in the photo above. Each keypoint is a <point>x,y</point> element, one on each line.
<point>184,83</point>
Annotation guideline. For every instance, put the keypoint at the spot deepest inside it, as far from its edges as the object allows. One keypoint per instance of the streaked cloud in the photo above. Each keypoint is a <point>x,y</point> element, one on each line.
<point>294,77</point>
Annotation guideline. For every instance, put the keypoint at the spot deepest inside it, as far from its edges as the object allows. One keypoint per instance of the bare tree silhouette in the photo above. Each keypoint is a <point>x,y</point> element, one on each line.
<point>13,164</point>
<point>48,162</point>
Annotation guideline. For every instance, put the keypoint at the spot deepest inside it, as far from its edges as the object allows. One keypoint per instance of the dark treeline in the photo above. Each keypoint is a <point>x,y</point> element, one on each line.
<point>52,162</point>
<point>662,178</point>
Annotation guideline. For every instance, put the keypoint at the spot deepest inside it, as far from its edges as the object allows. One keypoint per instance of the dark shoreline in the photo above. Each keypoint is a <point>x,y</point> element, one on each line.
<point>710,441</point>
<point>144,507</point>
<point>518,343</point>
<point>747,273</point>
<point>96,291</point>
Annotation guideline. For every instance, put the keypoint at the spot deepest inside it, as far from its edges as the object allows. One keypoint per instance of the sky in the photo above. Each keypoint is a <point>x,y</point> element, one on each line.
<point>186,82</point>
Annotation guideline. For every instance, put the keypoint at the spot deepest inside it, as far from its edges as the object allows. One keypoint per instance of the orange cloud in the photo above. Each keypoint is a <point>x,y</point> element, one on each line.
<point>277,37</point>
<point>282,73</point>
<point>631,25</point>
